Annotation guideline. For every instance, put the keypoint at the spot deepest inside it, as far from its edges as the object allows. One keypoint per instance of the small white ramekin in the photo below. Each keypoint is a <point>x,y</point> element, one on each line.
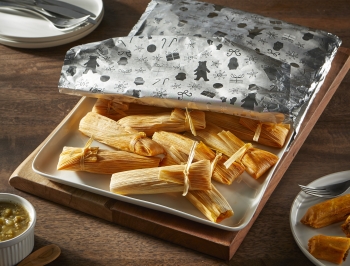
<point>14,250</point>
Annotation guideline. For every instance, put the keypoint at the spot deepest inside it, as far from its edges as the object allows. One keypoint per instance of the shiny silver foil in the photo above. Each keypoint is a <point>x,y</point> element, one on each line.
<point>209,57</point>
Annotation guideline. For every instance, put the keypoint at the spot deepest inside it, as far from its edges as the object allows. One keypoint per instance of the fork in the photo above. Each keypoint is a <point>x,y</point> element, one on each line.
<point>328,191</point>
<point>58,22</point>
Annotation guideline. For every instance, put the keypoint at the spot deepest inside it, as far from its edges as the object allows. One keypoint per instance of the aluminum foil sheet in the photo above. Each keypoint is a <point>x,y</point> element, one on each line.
<point>204,56</point>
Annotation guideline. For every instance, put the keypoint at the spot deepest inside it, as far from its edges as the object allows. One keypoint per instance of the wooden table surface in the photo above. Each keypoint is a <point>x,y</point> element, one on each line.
<point>31,107</point>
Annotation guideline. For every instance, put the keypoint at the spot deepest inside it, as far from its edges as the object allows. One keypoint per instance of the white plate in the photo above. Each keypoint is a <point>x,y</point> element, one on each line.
<point>244,197</point>
<point>302,233</point>
<point>23,26</point>
<point>44,44</point>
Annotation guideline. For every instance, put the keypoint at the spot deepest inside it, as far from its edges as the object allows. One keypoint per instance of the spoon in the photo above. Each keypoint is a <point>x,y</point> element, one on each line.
<point>42,256</point>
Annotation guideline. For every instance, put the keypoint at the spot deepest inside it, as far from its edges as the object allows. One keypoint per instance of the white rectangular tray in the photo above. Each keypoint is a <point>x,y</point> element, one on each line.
<point>243,196</point>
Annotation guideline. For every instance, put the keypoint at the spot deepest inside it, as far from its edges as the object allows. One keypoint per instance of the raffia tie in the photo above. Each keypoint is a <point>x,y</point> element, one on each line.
<point>257,133</point>
<point>189,121</point>
<point>135,139</point>
<point>238,154</point>
<point>85,152</point>
<point>218,156</point>
<point>187,168</point>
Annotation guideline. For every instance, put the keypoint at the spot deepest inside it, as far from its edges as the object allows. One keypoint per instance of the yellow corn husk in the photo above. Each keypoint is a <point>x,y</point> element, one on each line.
<point>176,121</point>
<point>110,108</point>
<point>114,109</point>
<point>256,161</point>
<point>211,203</point>
<point>232,124</point>
<point>152,180</point>
<point>183,144</point>
<point>275,133</point>
<point>173,156</point>
<point>107,131</point>
<point>95,160</point>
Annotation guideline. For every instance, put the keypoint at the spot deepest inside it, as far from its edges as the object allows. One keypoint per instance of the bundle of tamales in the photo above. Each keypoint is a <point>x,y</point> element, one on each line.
<point>107,131</point>
<point>255,161</point>
<point>100,161</point>
<point>202,193</point>
<point>178,120</point>
<point>163,179</point>
<point>269,134</point>
<point>114,109</point>
<point>210,202</point>
<point>182,144</point>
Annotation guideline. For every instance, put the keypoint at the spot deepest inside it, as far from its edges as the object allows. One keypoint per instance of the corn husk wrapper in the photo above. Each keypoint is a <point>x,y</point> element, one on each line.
<point>111,109</point>
<point>153,180</point>
<point>276,133</point>
<point>211,203</point>
<point>107,131</point>
<point>255,161</point>
<point>182,144</point>
<point>96,160</point>
<point>178,120</point>
<point>273,135</point>
<point>115,109</point>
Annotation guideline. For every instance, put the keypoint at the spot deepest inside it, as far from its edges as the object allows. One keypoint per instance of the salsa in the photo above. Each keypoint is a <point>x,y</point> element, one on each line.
<point>14,220</point>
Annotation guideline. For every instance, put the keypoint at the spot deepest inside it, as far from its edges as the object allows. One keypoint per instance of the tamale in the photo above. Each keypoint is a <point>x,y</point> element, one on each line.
<point>255,161</point>
<point>152,180</point>
<point>107,131</point>
<point>345,227</point>
<point>330,248</point>
<point>114,109</point>
<point>211,203</point>
<point>274,136</point>
<point>276,133</point>
<point>100,161</point>
<point>327,212</point>
<point>183,144</point>
<point>110,108</point>
<point>176,121</point>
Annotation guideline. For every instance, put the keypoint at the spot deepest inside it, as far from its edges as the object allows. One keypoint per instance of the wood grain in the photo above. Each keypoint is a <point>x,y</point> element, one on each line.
<point>211,241</point>
<point>31,108</point>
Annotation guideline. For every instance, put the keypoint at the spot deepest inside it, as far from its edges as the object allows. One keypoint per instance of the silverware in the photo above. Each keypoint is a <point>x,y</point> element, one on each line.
<point>328,191</point>
<point>69,6</point>
<point>60,23</point>
<point>63,11</point>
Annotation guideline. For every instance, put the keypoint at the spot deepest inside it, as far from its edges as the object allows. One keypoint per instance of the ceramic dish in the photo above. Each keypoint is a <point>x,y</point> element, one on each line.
<point>16,249</point>
<point>303,233</point>
<point>53,43</point>
<point>243,196</point>
<point>17,26</point>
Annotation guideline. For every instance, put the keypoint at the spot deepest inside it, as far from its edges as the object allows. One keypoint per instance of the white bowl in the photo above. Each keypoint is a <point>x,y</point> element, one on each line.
<point>14,250</point>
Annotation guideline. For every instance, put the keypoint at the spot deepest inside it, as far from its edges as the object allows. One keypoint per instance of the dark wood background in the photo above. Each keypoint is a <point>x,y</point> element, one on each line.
<point>31,107</point>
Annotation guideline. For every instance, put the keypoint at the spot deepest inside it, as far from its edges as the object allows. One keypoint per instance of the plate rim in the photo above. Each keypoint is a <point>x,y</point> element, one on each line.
<point>294,208</point>
<point>55,37</point>
<point>47,44</point>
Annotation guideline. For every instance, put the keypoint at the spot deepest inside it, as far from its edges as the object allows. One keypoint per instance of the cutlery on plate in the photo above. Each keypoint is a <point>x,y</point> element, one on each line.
<point>328,191</point>
<point>69,6</point>
<point>60,23</point>
<point>63,11</point>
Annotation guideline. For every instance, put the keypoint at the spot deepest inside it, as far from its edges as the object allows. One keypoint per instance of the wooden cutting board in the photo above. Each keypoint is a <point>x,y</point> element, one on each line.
<point>212,241</point>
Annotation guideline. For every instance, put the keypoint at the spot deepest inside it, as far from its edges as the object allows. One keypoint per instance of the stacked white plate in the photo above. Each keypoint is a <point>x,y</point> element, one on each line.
<point>25,30</point>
